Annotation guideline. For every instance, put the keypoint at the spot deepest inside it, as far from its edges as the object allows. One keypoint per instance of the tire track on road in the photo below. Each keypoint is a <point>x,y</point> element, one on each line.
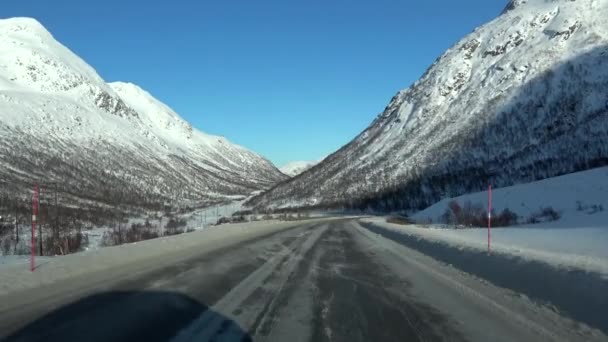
<point>252,301</point>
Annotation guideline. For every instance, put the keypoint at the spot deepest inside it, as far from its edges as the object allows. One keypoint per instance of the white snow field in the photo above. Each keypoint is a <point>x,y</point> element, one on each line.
<point>578,239</point>
<point>579,198</point>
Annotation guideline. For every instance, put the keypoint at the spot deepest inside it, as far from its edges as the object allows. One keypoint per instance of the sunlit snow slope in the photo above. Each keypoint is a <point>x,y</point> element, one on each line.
<point>293,169</point>
<point>521,98</point>
<point>61,123</point>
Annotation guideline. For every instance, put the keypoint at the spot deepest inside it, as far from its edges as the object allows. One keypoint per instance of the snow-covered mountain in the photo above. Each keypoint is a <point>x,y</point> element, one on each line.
<point>294,168</point>
<point>521,98</point>
<point>61,123</point>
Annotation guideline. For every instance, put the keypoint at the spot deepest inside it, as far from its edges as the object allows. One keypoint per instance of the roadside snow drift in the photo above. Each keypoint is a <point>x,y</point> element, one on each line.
<point>128,259</point>
<point>573,282</point>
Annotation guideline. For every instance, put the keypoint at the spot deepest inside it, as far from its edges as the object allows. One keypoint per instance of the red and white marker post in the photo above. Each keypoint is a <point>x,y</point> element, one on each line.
<point>34,217</point>
<point>489,215</point>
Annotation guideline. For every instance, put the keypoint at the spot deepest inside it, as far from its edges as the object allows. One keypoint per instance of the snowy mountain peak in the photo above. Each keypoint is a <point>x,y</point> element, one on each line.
<point>294,168</point>
<point>32,60</point>
<point>24,26</point>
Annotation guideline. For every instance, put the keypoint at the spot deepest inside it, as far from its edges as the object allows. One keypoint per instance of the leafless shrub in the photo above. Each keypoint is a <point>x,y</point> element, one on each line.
<point>239,219</point>
<point>504,219</point>
<point>287,217</point>
<point>233,219</point>
<point>6,229</point>
<point>120,234</point>
<point>474,215</point>
<point>547,214</point>
<point>470,215</point>
<point>589,209</point>
<point>64,243</point>
<point>175,226</point>
<point>6,242</point>
<point>222,220</point>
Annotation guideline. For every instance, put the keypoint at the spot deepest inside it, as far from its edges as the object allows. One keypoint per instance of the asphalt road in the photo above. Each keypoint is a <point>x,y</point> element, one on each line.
<point>331,281</point>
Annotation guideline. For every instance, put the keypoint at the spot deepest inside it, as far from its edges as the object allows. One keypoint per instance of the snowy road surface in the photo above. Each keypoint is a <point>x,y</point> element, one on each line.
<point>324,280</point>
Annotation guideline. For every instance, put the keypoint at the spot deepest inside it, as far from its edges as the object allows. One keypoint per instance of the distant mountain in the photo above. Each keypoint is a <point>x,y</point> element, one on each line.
<point>521,98</point>
<point>293,169</point>
<point>63,126</point>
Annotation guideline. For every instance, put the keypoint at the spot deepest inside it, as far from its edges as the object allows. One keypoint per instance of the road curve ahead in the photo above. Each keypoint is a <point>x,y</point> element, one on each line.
<point>327,281</point>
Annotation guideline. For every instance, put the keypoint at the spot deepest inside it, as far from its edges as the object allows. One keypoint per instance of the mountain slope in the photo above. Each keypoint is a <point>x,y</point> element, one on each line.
<point>521,98</point>
<point>63,126</point>
<point>293,169</point>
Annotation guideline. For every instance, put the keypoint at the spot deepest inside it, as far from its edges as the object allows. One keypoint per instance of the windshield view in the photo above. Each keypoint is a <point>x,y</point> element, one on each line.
<point>282,170</point>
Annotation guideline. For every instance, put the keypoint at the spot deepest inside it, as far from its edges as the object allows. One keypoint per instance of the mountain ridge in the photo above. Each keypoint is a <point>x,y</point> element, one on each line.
<point>502,105</point>
<point>62,123</point>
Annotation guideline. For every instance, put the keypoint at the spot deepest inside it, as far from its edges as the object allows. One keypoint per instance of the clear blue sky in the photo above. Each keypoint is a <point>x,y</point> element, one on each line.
<point>291,80</point>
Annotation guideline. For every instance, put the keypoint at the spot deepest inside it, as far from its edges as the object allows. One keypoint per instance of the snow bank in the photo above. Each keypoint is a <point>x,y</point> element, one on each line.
<point>23,260</point>
<point>572,282</point>
<point>576,248</point>
<point>129,259</point>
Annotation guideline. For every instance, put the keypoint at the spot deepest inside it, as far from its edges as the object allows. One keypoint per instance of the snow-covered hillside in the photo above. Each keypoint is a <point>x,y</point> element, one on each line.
<point>521,98</point>
<point>580,198</point>
<point>61,123</point>
<point>293,169</point>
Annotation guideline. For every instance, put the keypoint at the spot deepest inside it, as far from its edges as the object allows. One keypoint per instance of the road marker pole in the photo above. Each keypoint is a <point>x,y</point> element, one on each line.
<point>489,215</point>
<point>34,214</point>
